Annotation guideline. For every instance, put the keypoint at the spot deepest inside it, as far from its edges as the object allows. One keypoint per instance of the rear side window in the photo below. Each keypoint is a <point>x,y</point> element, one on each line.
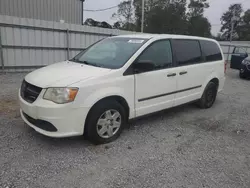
<point>187,52</point>
<point>211,51</point>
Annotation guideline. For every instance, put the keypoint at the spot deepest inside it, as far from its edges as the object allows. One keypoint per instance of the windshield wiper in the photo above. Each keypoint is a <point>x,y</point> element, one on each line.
<point>78,61</point>
<point>85,62</point>
<point>96,65</point>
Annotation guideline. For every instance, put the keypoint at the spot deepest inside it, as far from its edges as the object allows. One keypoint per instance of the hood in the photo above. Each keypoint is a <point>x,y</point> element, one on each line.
<point>63,74</point>
<point>247,58</point>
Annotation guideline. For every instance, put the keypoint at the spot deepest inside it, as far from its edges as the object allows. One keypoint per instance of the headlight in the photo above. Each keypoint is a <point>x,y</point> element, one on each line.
<point>60,95</point>
<point>245,62</point>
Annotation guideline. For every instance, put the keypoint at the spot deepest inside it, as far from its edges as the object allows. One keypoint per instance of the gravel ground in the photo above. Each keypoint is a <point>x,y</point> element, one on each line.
<point>181,147</point>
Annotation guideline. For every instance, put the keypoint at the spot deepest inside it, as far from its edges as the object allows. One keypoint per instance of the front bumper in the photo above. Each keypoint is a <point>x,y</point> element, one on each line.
<point>42,115</point>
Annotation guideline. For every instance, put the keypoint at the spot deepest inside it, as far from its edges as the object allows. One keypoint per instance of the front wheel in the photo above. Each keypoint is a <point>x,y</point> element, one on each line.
<point>209,96</point>
<point>106,121</point>
<point>241,75</point>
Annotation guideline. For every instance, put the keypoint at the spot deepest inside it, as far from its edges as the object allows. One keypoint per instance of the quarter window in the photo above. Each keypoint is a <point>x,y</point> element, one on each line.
<point>159,53</point>
<point>187,52</point>
<point>211,51</point>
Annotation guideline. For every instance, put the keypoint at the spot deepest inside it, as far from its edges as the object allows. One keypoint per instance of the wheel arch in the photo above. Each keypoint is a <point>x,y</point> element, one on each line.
<point>121,100</point>
<point>216,81</point>
<point>212,78</point>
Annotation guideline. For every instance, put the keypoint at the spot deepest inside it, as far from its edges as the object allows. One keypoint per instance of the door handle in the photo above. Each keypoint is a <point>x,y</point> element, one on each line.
<point>172,74</point>
<point>184,72</point>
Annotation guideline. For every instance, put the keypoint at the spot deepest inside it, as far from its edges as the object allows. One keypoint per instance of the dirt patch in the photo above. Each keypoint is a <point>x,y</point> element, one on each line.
<point>209,124</point>
<point>239,132</point>
<point>9,108</point>
<point>183,147</point>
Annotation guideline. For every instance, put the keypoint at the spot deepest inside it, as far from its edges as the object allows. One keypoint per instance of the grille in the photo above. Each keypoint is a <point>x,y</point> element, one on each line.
<point>29,92</point>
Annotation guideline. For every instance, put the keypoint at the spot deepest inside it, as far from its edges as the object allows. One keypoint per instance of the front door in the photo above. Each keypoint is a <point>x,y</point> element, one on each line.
<point>154,90</point>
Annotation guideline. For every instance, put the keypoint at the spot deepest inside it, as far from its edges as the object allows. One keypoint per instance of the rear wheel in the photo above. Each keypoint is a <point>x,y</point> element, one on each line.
<point>105,122</point>
<point>209,95</point>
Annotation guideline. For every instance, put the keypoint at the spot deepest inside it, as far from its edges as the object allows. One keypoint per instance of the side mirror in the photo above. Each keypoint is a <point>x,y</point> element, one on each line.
<point>143,66</point>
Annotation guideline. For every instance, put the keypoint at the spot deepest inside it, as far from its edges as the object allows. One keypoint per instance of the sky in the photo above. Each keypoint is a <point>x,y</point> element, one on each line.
<point>213,13</point>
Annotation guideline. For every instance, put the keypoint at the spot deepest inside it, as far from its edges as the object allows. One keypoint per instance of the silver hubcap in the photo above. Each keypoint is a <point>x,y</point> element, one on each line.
<point>109,123</point>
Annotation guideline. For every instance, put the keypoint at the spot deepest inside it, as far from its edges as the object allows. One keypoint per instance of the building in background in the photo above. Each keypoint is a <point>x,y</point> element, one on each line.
<point>68,11</point>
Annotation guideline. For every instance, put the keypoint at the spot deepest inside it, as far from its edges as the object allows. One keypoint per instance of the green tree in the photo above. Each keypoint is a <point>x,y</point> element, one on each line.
<point>138,13</point>
<point>150,7</point>
<point>226,20</point>
<point>117,25</point>
<point>94,23</point>
<point>218,37</point>
<point>243,30</point>
<point>125,15</point>
<point>162,16</point>
<point>197,7</point>
<point>166,16</point>
<point>198,25</point>
<point>91,22</point>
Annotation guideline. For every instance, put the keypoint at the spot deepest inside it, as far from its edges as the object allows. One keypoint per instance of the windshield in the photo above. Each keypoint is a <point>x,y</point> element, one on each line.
<point>110,53</point>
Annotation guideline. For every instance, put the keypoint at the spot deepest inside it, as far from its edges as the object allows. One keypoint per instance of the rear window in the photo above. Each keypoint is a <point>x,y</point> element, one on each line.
<point>187,52</point>
<point>240,50</point>
<point>211,51</point>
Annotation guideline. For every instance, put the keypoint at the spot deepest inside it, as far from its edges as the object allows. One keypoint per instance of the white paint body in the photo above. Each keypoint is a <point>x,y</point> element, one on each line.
<point>96,83</point>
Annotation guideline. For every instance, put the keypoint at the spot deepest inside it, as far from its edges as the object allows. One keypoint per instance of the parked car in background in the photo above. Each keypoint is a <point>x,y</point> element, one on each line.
<point>241,61</point>
<point>120,78</point>
<point>245,68</point>
<point>239,54</point>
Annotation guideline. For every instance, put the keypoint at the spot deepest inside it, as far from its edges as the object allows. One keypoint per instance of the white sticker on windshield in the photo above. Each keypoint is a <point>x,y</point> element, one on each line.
<point>136,41</point>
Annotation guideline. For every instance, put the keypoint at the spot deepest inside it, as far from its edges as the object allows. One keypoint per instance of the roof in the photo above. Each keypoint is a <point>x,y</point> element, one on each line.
<point>162,36</point>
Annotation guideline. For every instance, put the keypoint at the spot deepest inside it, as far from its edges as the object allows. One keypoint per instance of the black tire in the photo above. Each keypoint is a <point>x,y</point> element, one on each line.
<point>94,115</point>
<point>242,75</point>
<point>209,96</point>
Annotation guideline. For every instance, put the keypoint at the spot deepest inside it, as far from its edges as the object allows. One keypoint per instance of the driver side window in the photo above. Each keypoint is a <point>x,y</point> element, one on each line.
<point>159,53</point>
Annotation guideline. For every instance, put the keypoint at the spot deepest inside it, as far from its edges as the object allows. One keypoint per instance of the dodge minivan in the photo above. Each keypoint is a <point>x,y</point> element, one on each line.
<point>120,78</point>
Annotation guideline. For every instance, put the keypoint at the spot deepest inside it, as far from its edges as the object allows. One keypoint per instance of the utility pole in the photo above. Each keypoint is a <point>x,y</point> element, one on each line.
<point>82,12</point>
<point>142,15</point>
<point>231,33</point>
<point>129,15</point>
<point>232,26</point>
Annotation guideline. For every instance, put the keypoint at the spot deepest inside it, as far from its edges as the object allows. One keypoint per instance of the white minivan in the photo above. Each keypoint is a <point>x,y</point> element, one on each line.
<point>120,78</point>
